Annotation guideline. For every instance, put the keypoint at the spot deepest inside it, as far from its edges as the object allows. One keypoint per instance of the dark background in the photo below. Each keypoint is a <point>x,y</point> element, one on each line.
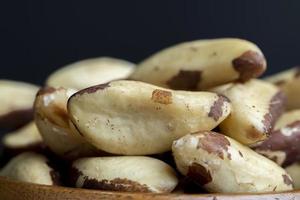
<point>36,37</point>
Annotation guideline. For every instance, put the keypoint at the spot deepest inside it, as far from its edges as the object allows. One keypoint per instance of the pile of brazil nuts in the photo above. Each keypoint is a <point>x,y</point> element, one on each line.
<point>194,115</point>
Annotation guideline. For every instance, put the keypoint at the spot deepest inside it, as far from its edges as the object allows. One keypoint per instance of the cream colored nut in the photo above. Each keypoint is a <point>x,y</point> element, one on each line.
<point>30,167</point>
<point>220,164</point>
<point>53,122</point>
<point>289,82</point>
<point>85,73</point>
<point>25,138</point>
<point>16,99</point>
<point>202,64</point>
<point>124,173</point>
<point>294,171</point>
<point>135,118</point>
<point>256,105</point>
<point>283,144</point>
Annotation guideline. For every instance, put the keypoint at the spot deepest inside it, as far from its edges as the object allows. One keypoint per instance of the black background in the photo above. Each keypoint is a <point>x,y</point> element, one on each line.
<point>36,37</point>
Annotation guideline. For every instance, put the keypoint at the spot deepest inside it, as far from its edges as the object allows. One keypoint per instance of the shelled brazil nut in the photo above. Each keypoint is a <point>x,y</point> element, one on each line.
<point>53,122</point>
<point>202,64</point>
<point>282,146</point>
<point>30,167</point>
<point>220,164</point>
<point>86,73</point>
<point>135,118</point>
<point>23,139</point>
<point>289,82</point>
<point>256,105</point>
<point>16,111</point>
<point>123,173</point>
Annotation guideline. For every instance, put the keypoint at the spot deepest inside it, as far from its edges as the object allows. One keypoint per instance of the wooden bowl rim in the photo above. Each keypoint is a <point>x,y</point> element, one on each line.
<point>4,181</point>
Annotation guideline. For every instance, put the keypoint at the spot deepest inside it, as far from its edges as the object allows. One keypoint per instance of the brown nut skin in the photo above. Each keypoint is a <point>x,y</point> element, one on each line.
<point>250,64</point>
<point>16,112</point>
<point>256,105</point>
<point>220,164</point>
<point>282,146</point>
<point>123,173</point>
<point>202,64</point>
<point>52,120</point>
<point>288,81</point>
<point>130,117</point>
<point>89,72</point>
<point>30,167</point>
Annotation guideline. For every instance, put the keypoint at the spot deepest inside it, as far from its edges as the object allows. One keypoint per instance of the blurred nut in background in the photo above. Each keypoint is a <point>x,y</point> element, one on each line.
<point>24,139</point>
<point>30,167</point>
<point>289,82</point>
<point>16,103</point>
<point>89,72</point>
<point>202,64</point>
<point>256,105</point>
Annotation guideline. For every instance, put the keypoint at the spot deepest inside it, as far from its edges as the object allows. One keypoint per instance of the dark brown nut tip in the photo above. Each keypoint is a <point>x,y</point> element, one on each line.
<point>199,174</point>
<point>249,65</point>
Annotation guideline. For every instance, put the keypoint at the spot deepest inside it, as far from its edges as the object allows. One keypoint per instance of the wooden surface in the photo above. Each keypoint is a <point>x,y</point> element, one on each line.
<point>13,190</point>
